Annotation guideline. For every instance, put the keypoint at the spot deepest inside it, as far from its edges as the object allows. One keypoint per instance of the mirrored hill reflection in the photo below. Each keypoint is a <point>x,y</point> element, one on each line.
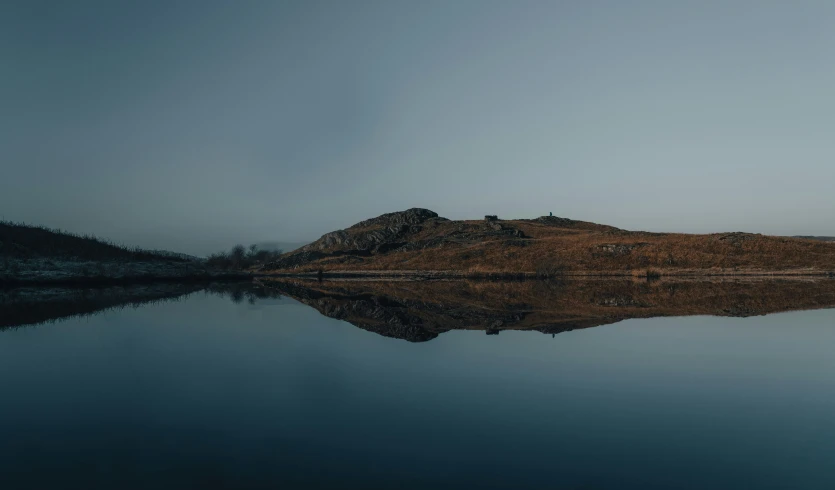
<point>37,305</point>
<point>418,311</point>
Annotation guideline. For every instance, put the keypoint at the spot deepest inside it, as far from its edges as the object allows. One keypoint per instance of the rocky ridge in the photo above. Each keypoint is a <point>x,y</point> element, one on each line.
<point>419,240</point>
<point>399,231</point>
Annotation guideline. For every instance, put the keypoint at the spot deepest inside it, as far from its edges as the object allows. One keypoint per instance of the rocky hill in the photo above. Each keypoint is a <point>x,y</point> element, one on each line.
<point>419,240</point>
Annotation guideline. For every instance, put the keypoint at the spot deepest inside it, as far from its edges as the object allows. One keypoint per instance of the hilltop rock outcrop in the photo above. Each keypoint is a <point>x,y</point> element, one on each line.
<point>374,232</point>
<point>410,230</point>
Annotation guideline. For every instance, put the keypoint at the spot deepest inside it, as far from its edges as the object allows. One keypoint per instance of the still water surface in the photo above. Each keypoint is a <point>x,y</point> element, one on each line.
<point>206,393</point>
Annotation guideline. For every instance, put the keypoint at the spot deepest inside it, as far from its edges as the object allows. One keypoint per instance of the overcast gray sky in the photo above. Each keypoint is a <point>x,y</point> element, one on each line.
<point>194,125</point>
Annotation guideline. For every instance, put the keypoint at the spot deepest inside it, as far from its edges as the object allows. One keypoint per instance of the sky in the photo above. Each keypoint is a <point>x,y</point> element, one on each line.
<point>195,125</point>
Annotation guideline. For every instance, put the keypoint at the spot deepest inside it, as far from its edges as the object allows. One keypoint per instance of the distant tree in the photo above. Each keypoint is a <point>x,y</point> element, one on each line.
<point>238,255</point>
<point>241,257</point>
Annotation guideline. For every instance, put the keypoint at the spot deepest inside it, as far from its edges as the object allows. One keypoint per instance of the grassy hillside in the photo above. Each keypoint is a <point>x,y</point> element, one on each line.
<point>420,240</point>
<point>24,241</point>
<point>36,255</point>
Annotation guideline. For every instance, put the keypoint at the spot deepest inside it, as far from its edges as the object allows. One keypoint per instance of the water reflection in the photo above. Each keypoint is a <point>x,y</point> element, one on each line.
<point>198,392</point>
<point>36,305</point>
<point>419,311</point>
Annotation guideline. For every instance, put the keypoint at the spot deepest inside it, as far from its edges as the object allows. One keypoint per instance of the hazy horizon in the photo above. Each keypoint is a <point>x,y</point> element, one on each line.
<point>192,126</point>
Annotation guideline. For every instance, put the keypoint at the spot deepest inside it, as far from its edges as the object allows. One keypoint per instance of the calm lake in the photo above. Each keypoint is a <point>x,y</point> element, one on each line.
<point>267,392</point>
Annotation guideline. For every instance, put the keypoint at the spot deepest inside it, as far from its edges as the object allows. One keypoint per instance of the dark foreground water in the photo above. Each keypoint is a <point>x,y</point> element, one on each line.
<point>207,393</point>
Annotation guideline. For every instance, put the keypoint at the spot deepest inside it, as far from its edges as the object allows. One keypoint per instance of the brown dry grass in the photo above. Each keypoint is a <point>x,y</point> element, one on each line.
<point>580,249</point>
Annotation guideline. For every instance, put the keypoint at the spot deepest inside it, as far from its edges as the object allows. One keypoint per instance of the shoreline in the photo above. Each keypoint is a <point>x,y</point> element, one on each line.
<point>409,275</point>
<point>103,281</point>
<point>653,274</point>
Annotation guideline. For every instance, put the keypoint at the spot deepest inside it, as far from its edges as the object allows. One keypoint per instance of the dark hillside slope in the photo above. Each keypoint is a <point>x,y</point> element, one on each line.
<point>26,241</point>
<point>31,254</point>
